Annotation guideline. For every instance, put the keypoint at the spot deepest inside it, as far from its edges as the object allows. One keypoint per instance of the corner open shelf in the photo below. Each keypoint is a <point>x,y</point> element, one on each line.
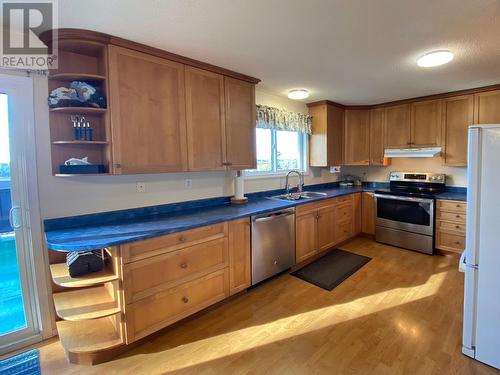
<point>90,303</point>
<point>86,61</point>
<point>77,77</point>
<point>61,277</point>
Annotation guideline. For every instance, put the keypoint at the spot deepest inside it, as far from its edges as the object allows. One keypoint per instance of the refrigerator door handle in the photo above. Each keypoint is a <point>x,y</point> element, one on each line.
<point>461,263</point>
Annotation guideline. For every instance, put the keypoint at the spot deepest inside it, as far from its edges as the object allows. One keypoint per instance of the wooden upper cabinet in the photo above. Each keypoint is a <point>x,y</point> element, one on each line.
<point>147,113</point>
<point>458,116</point>
<point>487,107</point>
<point>426,119</point>
<point>240,124</point>
<point>327,138</point>
<point>205,120</point>
<point>397,126</point>
<point>377,144</point>
<point>357,137</point>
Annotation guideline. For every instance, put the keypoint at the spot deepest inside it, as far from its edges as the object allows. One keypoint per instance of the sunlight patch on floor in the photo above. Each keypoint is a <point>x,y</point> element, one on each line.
<point>238,341</point>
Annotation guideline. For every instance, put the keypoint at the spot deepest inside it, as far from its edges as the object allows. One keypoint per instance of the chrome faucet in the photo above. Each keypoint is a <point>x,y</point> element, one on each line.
<point>300,186</point>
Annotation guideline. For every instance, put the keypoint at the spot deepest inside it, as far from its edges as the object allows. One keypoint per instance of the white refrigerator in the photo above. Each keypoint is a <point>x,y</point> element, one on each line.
<point>481,258</point>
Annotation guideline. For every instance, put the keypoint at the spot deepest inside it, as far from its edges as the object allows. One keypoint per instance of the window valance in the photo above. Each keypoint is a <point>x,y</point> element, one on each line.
<point>279,119</point>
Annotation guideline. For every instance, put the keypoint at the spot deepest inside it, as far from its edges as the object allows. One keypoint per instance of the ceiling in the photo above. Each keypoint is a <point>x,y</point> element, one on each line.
<point>348,51</point>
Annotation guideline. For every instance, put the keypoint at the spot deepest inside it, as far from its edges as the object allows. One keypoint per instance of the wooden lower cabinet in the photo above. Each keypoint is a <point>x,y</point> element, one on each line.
<point>150,314</point>
<point>306,238</point>
<point>450,225</point>
<point>185,273</point>
<point>368,213</point>
<point>240,266</point>
<point>321,225</point>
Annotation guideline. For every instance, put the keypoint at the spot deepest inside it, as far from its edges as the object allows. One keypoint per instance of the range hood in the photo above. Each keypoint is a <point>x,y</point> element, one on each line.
<point>414,152</point>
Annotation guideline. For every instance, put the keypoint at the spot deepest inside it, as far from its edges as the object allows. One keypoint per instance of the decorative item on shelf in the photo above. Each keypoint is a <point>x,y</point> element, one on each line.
<point>80,263</point>
<point>239,189</point>
<point>79,94</point>
<point>82,129</point>
<point>81,166</point>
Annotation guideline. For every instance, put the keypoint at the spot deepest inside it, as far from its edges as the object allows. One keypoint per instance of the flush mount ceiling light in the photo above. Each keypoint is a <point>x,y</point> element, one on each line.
<point>435,58</point>
<point>298,94</point>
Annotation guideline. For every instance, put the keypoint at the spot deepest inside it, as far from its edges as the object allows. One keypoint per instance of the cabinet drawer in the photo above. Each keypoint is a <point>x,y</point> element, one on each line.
<point>343,199</point>
<point>343,212</point>
<point>343,231</point>
<point>308,207</point>
<point>162,309</point>
<point>457,217</point>
<point>457,228</point>
<point>455,206</point>
<point>451,242</point>
<point>151,275</point>
<point>148,248</point>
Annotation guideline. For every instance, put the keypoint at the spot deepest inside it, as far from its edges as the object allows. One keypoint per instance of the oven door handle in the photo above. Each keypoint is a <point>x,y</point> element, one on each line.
<point>400,198</point>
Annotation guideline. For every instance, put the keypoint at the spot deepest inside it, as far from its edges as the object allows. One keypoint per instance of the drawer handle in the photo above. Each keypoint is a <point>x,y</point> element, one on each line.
<point>458,206</point>
<point>184,265</point>
<point>185,299</point>
<point>457,226</point>
<point>457,216</point>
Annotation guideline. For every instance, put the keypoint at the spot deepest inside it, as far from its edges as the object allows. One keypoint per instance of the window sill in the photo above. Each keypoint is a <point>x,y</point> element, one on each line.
<point>271,175</point>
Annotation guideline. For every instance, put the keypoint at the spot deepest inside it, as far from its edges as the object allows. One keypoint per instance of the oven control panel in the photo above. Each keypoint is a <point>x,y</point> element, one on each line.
<point>437,178</point>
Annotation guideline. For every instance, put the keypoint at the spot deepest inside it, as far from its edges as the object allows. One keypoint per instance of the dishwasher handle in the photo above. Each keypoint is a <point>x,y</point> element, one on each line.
<point>273,215</point>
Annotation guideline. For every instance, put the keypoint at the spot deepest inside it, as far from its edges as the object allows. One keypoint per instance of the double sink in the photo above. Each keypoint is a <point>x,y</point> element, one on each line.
<point>298,196</point>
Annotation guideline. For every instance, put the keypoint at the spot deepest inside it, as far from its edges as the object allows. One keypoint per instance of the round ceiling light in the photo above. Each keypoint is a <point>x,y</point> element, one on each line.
<point>298,94</point>
<point>435,58</point>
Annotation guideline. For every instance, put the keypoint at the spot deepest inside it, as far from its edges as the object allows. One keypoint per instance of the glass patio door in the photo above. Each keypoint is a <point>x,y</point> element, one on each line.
<point>18,301</point>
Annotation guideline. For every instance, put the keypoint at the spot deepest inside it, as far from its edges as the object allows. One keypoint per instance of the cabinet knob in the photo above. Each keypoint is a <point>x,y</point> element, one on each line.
<point>184,265</point>
<point>182,239</point>
<point>457,226</point>
<point>457,216</point>
<point>118,165</point>
<point>185,299</point>
<point>457,242</point>
<point>458,206</point>
<point>227,163</point>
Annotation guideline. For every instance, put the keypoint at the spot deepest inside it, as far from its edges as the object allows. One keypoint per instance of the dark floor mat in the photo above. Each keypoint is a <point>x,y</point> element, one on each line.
<point>330,270</point>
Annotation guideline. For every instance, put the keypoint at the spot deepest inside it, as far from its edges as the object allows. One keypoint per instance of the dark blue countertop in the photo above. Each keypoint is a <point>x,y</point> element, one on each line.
<point>95,231</point>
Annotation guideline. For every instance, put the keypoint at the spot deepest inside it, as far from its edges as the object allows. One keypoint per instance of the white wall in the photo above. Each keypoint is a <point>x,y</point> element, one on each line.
<point>455,176</point>
<point>88,194</point>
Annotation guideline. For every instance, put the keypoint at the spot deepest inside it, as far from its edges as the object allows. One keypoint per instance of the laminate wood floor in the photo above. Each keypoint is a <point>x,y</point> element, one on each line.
<point>400,314</point>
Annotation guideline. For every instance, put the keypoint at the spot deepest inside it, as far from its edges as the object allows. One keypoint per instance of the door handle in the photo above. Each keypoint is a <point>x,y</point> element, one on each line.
<point>14,221</point>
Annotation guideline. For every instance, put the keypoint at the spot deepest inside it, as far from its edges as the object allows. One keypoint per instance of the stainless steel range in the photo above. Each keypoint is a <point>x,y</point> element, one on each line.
<point>405,211</point>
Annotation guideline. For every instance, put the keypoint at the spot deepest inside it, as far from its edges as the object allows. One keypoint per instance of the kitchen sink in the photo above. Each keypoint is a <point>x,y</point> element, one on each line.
<point>298,196</point>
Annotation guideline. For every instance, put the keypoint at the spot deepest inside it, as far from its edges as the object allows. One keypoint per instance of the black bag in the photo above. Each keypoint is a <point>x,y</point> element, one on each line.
<point>80,263</point>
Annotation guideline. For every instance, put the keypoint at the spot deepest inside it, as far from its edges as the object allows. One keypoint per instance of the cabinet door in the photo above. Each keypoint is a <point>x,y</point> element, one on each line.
<point>487,107</point>
<point>368,213</point>
<point>397,126</point>
<point>326,140</point>
<point>205,120</point>
<point>306,235</point>
<point>326,225</point>
<point>240,124</point>
<point>147,113</point>
<point>335,135</point>
<point>458,116</point>
<point>357,137</point>
<point>239,255</point>
<point>377,136</point>
<point>426,119</point>
<point>356,216</point>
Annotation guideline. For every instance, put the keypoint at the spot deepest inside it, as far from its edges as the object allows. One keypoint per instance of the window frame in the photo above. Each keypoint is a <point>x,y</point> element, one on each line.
<point>304,151</point>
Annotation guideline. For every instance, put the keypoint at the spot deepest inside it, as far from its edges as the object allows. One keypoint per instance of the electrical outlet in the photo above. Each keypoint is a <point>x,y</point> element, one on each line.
<point>334,169</point>
<point>140,187</point>
<point>188,183</point>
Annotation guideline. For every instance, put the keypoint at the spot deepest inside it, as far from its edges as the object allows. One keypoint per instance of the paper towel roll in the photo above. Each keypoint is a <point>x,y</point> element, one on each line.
<point>239,186</point>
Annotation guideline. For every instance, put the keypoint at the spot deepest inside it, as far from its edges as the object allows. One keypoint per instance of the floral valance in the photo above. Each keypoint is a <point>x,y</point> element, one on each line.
<point>279,119</point>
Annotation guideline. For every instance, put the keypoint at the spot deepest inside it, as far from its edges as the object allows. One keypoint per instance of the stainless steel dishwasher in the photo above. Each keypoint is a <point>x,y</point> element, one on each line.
<point>273,243</point>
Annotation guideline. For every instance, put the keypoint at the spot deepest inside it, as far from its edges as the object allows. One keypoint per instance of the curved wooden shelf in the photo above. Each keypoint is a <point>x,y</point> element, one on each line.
<point>80,142</point>
<point>79,110</point>
<point>84,304</point>
<point>61,277</point>
<point>77,77</point>
<point>95,336</point>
